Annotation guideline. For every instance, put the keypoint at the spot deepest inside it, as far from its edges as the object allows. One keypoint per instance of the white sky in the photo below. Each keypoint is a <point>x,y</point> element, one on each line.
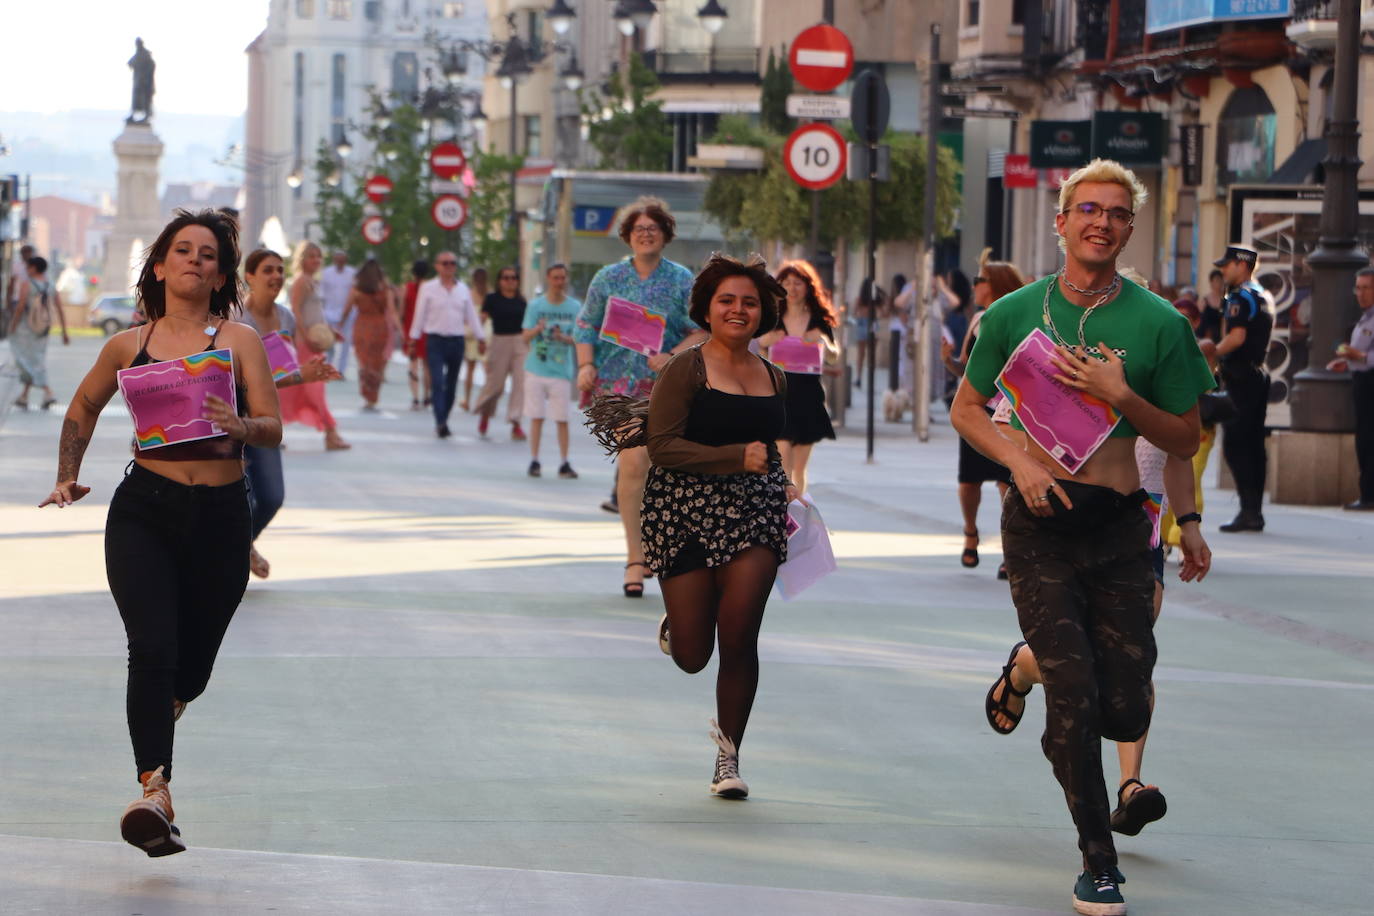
<point>64,54</point>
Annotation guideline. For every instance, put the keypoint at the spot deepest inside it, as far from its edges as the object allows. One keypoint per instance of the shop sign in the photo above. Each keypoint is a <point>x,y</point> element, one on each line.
<point>1190,153</point>
<point>1060,144</point>
<point>1129,137</point>
<point>1017,172</point>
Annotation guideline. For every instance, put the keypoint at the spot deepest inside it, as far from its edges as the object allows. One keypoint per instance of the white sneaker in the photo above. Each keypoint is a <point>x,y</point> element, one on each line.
<point>726,783</point>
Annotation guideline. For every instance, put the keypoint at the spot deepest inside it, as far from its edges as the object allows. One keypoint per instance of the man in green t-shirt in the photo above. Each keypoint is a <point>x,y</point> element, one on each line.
<point>1077,545</point>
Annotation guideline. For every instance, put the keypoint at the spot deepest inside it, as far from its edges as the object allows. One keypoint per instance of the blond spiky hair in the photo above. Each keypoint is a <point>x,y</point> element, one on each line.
<point>1107,171</point>
<point>1135,276</point>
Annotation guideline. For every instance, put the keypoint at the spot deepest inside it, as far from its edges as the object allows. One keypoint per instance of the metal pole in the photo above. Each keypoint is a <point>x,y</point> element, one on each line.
<point>872,263</point>
<point>920,409</point>
<point>1321,400</point>
<point>514,222</point>
<point>828,12</point>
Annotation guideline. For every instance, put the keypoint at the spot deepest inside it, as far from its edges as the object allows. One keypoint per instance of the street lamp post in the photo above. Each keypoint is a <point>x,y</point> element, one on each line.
<point>1321,400</point>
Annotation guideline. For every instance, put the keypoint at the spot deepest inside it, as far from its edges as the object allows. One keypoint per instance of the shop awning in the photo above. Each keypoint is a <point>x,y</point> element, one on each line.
<point>1300,166</point>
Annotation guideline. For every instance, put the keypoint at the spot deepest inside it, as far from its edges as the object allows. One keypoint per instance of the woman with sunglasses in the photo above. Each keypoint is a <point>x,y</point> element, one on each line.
<point>506,353</point>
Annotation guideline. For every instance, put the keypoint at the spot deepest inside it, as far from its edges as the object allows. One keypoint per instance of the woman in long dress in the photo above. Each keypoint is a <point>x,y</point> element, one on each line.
<point>29,329</point>
<point>375,301</point>
<point>306,403</point>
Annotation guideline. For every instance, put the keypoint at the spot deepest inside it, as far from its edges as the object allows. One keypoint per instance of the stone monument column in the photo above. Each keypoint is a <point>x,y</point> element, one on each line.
<point>138,211</point>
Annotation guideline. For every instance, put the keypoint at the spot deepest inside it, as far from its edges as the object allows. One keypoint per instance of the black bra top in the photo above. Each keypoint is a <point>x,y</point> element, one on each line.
<point>218,448</point>
<point>722,418</point>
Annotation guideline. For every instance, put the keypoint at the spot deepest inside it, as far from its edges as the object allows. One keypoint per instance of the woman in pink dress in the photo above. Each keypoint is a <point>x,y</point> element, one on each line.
<point>306,403</point>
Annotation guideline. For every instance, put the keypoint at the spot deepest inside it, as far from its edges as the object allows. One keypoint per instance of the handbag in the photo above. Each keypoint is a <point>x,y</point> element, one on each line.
<point>1215,407</point>
<point>320,337</point>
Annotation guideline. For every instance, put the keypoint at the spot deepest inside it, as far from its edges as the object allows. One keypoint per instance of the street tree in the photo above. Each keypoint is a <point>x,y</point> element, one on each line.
<point>492,244</point>
<point>777,86</point>
<point>627,128</point>
<point>767,205</point>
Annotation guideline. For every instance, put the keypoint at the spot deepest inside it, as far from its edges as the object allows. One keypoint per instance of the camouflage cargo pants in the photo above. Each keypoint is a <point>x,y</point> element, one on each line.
<point>1085,600</point>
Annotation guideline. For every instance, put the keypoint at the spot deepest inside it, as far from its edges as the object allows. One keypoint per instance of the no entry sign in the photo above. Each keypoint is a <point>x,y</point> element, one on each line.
<point>378,187</point>
<point>376,230</point>
<point>447,161</point>
<point>449,212</point>
<point>821,58</point>
<point>815,156</point>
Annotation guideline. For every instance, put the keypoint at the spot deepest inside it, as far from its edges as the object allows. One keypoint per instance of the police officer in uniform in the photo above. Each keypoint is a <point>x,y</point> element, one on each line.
<point>1248,312</point>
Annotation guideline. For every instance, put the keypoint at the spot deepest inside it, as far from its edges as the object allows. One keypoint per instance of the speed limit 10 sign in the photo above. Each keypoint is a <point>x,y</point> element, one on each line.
<point>449,212</point>
<point>815,156</point>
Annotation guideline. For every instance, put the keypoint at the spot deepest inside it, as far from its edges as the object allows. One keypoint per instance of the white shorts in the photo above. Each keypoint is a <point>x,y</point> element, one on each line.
<point>541,390</point>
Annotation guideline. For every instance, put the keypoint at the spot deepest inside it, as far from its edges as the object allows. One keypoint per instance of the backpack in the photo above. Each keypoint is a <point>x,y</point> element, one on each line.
<point>37,314</point>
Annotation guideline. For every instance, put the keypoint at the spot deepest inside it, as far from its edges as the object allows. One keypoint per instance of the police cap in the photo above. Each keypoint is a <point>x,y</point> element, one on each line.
<point>1243,253</point>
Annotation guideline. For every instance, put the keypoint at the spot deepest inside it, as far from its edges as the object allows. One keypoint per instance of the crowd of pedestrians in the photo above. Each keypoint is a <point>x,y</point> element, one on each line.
<point>711,424</point>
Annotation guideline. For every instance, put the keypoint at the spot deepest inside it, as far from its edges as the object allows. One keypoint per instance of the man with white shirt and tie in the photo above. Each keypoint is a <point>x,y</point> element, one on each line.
<point>1357,356</point>
<point>444,314</point>
<point>335,282</point>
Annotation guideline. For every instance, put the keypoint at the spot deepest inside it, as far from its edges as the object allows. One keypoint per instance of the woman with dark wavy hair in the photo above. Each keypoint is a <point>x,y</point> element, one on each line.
<point>808,316</point>
<point>179,529</point>
<point>715,502</point>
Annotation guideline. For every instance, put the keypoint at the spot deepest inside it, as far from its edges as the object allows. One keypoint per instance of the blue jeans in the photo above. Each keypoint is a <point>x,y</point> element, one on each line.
<point>445,356</point>
<point>266,486</point>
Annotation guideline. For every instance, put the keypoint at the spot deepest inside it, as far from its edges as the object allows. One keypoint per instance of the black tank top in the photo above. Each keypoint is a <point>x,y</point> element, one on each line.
<point>721,418</point>
<point>218,448</point>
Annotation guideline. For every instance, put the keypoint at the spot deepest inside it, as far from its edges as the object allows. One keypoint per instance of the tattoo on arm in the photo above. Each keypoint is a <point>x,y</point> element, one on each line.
<point>71,448</point>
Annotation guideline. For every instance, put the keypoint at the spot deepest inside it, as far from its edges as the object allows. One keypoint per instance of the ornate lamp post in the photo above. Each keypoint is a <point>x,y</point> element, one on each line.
<point>1321,400</point>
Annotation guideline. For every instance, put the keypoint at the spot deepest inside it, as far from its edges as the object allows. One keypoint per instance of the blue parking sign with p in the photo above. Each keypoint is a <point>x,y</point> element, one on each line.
<point>598,221</point>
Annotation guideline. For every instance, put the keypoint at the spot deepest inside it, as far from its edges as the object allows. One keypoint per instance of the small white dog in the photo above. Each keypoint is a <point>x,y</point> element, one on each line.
<point>895,404</point>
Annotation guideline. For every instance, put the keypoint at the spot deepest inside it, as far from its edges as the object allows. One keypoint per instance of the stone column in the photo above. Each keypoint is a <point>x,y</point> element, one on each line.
<point>138,213</point>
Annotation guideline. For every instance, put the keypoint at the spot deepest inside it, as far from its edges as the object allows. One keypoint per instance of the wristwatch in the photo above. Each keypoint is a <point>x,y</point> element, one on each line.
<point>1190,517</point>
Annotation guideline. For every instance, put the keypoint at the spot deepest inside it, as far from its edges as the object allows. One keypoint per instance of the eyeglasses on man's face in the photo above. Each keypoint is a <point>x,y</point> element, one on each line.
<point>1119,216</point>
<point>448,262</point>
<point>508,277</point>
<point>648,230</point>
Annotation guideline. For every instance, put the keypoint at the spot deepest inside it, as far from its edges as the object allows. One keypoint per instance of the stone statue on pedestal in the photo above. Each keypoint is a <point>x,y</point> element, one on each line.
<point>141,108</point>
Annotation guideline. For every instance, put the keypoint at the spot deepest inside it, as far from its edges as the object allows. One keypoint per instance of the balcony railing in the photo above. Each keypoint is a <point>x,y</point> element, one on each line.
<point>1313,9</point>
<point>730,62</point>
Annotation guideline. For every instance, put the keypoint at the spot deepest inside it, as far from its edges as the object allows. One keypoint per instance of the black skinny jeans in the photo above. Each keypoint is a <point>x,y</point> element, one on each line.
<point>1085,602</point>
<point>176,557</point>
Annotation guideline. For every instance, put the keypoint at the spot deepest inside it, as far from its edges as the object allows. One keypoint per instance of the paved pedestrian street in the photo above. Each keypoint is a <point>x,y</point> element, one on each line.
<point>440,702</point>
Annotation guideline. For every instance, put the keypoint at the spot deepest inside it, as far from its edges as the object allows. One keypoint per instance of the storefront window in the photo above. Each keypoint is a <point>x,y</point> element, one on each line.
<point>1245,139</point>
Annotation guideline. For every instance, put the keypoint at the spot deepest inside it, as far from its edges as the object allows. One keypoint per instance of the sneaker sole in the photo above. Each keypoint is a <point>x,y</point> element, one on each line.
<point>1088,908</point>
<point>731,789</point>
<point>146,828</point>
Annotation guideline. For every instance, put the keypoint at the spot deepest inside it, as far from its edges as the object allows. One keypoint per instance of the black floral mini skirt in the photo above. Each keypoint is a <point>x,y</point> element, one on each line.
<point>692,521</point>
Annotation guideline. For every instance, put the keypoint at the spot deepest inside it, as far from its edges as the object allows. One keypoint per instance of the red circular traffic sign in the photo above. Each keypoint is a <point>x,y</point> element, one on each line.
<point>449,212</point>
<point>447,161</point>
<point>376,230</point>
<point>821,58</point>
<point>378,187</point>
<point>815,156</point>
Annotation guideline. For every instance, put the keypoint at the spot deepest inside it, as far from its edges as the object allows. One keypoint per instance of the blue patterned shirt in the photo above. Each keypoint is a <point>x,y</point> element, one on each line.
<point>667,290</point>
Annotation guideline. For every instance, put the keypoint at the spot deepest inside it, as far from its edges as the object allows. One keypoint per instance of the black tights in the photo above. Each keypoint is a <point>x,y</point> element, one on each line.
<point>727,601</point>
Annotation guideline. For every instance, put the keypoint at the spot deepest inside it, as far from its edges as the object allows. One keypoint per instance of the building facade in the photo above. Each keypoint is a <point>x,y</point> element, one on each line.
<point>310,73</point>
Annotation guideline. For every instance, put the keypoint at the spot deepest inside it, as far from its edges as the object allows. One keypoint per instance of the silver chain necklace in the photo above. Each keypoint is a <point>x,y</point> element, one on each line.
<point>1108,291</point>
<point>1087,292</point>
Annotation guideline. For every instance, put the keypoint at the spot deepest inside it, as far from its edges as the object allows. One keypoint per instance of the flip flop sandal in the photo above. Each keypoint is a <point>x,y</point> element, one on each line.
<point>969,558</point>
<point>1144,805</point>
<point>994,707</point>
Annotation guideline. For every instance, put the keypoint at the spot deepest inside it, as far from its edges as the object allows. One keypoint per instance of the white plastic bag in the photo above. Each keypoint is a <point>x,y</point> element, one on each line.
<point>809,557</point>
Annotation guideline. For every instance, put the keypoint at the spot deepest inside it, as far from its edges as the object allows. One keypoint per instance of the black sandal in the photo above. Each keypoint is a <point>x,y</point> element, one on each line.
<point>635,589</point>
<point>1144,805</point>
<point>993,707</point>
<point>969,558</point>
